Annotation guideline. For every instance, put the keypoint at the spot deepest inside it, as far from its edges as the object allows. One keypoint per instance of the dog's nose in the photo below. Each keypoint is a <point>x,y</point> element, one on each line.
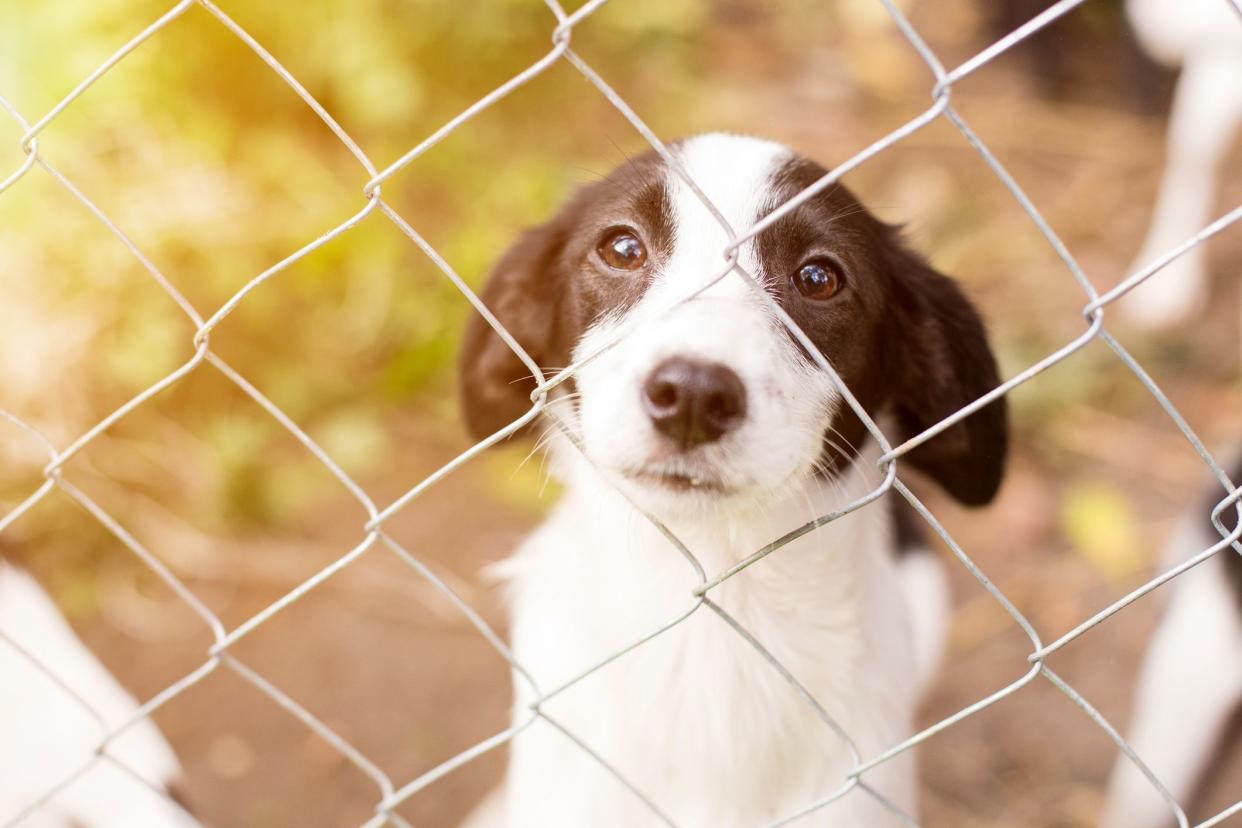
<point>694,402</point>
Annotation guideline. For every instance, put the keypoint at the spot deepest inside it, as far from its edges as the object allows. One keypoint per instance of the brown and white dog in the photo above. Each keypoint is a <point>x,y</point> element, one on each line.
<point>710,417</point>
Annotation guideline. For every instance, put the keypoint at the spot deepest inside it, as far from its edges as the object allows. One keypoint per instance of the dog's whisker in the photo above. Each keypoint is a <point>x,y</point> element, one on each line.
<point>548,373</point>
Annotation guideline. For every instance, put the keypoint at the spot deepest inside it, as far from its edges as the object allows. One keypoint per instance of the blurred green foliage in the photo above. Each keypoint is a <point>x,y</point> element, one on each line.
<point>217,171</point>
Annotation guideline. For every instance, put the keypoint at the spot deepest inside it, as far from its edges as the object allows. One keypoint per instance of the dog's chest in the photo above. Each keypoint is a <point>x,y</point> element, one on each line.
<point>699,707</point>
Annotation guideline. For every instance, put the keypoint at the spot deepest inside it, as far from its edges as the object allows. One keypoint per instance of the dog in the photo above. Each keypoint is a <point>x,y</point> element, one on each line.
<point>1204,38</point>
<point>1090,53</point>
<point>710,417</point>
<point>46,735</point>
<point>1190,684</point>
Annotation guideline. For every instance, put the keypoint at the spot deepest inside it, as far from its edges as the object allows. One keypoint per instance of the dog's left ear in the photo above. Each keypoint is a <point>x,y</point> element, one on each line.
<point>941,361</point>
<point>526,292</point>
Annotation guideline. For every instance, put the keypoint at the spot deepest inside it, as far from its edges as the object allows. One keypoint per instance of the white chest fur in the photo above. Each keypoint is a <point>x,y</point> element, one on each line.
<point>696,718</point>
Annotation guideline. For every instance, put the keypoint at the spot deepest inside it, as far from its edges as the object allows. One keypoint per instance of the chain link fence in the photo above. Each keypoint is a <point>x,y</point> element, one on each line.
<point>391,793</point>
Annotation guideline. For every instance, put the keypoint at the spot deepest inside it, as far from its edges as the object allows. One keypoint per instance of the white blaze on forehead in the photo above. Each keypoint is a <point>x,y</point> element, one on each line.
<point>735,173</point>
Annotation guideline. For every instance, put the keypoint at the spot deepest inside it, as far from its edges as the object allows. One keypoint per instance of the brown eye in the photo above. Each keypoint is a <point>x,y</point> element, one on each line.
<point>621,249</point>
<point>819,279</point>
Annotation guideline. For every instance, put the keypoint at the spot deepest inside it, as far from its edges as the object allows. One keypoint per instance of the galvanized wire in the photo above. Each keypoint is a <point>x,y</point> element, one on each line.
<point>371,532</point>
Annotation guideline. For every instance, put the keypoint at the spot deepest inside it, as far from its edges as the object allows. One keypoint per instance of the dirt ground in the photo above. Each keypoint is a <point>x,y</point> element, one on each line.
<point>396,670</point>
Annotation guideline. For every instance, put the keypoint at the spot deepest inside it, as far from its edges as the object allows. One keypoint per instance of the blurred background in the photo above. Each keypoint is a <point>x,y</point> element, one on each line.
<point>217,171</point>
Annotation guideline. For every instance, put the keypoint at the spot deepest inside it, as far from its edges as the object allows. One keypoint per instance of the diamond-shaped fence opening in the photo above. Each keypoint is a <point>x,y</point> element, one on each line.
<point>373,535</point>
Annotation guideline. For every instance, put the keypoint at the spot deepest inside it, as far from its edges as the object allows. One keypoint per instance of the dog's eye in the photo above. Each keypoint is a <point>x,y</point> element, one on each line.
<point>819,279</point>
<point>621,249</point>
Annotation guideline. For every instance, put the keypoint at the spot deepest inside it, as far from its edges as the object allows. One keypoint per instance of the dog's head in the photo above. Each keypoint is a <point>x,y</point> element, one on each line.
<point>713,397</point>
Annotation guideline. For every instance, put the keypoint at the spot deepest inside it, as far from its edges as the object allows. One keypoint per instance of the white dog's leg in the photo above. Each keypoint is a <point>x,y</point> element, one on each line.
<point>1207,110</point>
<point>1190,684</point>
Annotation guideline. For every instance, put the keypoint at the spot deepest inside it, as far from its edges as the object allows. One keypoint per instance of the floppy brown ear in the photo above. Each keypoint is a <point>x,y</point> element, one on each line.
<point>526,292</point>
<point>943,362</point>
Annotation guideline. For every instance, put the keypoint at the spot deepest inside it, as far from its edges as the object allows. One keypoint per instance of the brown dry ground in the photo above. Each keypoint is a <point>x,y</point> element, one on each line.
<point>392,667</point>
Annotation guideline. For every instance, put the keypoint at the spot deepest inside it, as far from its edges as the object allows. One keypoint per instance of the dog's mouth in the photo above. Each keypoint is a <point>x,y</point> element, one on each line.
<point>679,481</point>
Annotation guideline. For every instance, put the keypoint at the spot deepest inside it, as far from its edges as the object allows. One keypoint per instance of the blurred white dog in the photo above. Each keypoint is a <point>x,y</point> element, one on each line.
<point>1204,37</point>
<point>1191,681</point>
<point>45,734</point>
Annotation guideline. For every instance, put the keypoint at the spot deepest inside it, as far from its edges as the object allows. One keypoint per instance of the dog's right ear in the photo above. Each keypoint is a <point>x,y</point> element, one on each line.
<point>526,292</point>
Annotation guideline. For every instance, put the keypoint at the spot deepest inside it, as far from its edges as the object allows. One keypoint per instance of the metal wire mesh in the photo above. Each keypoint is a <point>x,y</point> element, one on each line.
<point>392,793</point>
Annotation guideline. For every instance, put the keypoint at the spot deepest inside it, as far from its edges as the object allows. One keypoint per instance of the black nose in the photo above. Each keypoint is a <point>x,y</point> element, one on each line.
<point>694,402</point>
